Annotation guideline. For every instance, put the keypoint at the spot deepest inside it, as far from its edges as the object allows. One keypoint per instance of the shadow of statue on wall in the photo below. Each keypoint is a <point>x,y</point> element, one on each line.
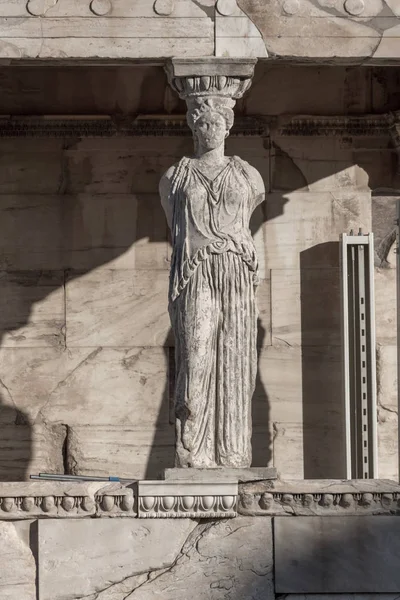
<point>48,240</point>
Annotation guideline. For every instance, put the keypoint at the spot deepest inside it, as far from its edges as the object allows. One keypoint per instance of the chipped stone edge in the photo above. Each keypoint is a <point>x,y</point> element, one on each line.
<point>290,501</point>
<point>216,500</point>
<point>146,499</point>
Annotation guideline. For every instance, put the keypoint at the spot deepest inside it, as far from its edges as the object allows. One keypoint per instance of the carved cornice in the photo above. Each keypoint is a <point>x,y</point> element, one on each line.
<point>387,125</point>
<point>55,500</point>
<point>180,499</point>
<point>165,499</point>
<point>320,498</point>
<point>362,125</point>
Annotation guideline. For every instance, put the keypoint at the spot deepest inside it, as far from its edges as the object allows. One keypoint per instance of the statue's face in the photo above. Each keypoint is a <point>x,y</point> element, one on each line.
<point>210,131</point>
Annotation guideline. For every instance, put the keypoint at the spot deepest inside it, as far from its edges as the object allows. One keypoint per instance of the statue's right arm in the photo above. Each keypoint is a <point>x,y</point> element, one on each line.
<point>165,189</point>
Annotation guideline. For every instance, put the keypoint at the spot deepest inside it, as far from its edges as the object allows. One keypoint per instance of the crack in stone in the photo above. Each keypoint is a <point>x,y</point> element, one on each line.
<point>191,542</point>
<point>61,383</point>
<point>3,385</point>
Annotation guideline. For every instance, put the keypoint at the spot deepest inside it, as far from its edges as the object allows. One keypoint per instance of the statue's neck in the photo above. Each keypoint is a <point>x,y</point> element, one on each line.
<point>211,157</point>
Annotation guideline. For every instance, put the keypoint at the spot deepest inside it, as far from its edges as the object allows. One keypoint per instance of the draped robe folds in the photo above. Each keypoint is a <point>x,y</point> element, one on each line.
<point>213,314</point>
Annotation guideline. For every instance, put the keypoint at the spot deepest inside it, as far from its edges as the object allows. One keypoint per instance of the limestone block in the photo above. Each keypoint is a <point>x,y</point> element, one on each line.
<point>301,385</point>
<point>111,386</point>
<point>384,224</point>
<point>323,164</point>
<point>307,451</point>
<point>30,167</point>
<point>18,571</point>
<point>294,29</point>
<point>385,306</point>
<point>29,449</point>
<point>86,385</point>
<point>82,232</point>
<point>331,555</point>
<point>138,318</point>
<point>306,307</point>
<point>120,451</point>
<point>122,231</point>
<point>31,231</point>
<point>387,411</point>
<point>78,558</point>
<point>103,27</point>
<point>282,90</point>
<point>120,8</point>
<point>303,228</point>
<point>32,308</point>
<point>386,366</point>
<point>277,396</point>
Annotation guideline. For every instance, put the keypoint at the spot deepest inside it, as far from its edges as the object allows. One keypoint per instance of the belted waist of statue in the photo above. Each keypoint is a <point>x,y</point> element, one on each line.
<point>210,217</point>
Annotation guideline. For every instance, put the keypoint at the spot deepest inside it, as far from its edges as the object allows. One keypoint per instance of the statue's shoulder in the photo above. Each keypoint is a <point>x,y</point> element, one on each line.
<point>172,177</point>
<point>252,174</point>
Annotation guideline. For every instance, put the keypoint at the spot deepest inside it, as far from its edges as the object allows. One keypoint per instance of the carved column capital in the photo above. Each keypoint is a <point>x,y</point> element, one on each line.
<point>197,79</point>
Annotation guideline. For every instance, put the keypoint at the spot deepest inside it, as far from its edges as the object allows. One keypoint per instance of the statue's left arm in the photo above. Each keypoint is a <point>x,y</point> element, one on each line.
<point>257,184</point>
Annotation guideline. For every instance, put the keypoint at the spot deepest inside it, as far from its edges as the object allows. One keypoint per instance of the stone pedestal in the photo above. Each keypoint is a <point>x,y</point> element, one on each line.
<point>220,474</point>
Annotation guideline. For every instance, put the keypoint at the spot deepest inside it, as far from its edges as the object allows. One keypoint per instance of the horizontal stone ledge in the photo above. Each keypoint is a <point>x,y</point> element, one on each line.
<point>175,125</point>
<point>320,498</point>
<point>198,500</point>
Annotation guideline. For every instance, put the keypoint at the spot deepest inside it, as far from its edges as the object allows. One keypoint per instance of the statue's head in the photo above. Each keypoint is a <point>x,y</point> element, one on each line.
<point>210,120</point>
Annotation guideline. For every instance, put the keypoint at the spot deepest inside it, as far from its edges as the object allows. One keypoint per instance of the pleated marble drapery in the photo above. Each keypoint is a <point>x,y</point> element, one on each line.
<point>213,314</point>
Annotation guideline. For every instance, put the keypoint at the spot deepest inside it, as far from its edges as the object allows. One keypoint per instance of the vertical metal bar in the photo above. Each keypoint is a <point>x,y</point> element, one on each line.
<point>359,355</point>
<point>345,357</point>
<point>398,321</point>
<point>362,436</point>
<point>374,473</point>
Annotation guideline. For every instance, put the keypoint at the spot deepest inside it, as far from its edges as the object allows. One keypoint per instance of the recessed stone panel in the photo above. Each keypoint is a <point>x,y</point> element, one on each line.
<point>331,555</point>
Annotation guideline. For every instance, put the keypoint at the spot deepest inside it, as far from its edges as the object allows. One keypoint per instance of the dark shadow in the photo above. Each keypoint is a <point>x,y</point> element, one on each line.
<point>87,221</point>
<point>260,409</point>
<point>34,547</point>
<point>323,413</point>
<point>162,452</point>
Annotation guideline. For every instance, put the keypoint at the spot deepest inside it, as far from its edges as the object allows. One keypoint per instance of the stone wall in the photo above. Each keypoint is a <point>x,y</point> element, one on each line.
<point>297,540</point>
<point>86,352</point>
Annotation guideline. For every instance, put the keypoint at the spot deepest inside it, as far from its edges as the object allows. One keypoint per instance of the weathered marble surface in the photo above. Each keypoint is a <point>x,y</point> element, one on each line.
<point>57,217</point>
<point>222,474</point>
<point>331,555</point>
<point>18,569</point>
<point>208,199</point>
<point>113,29</point>
<point>54,499</point>
<point>203,557</point>
<point>319,497</point>
<point>80,558</point>
<point>137,453</point>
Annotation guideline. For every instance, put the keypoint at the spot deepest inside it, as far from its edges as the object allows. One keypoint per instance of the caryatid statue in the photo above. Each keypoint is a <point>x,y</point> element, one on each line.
<point>208,199</point>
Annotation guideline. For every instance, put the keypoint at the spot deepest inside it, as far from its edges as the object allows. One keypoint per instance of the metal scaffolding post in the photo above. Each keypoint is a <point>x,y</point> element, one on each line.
<point>359,358</point>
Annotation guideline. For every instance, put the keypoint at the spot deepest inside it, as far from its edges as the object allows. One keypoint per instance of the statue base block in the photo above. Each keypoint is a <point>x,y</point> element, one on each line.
<point>220,474</point>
